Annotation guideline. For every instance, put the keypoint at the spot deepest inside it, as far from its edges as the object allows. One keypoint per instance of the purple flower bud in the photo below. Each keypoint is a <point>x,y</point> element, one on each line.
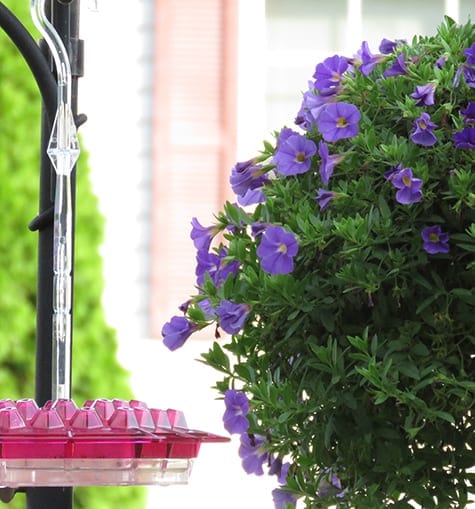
<point>324,197</point>
<point>202,235</point>
<point>398,67</point>
<point>328,162</point>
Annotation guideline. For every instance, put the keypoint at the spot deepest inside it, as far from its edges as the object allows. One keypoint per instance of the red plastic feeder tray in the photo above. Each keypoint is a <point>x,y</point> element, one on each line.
<point>103,443</point>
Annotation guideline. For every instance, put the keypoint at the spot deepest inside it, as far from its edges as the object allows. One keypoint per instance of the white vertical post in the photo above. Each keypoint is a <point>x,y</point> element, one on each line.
<point>452,9</point>
<point>354,24</point>
<point>252,70</point>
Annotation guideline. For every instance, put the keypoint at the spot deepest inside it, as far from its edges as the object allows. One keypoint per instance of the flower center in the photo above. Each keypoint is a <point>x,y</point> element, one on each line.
<point>282,248</point>
<point>433,237</point>
<point>341,122</point>
<point>422,125</point>
<point>406,180</point>
<point>300,157</point>
<point>335,77</point>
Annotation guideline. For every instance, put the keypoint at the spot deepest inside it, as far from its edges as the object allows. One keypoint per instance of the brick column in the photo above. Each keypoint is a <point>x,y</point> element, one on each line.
<point>194,137</point>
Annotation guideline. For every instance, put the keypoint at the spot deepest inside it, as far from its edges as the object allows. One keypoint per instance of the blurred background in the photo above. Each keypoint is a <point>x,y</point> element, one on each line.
<point>176,91</point>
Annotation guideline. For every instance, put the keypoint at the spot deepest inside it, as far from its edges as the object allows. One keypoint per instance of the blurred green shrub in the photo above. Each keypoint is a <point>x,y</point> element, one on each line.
<point>96,372</point>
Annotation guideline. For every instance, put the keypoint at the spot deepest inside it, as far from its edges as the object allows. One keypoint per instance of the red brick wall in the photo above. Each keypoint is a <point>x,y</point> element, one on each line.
<point>194,137</point>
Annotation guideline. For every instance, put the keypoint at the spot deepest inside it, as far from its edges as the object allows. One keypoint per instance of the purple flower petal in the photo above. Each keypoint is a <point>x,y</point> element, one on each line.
<point>409,187</point>
<point>469,113</point>
<point>237,407</point>
<point>277,250</point>
<point>424,94</point>
<point>435,240</point>
<point>465,138</point>
<point>202,235</point>
<point>283,499</point>
<point>177,331</point>
<point>232,316</point>
<point>245,176</point>
<point>251,453</point>
<point>328,162</point>
<point>398,67</point>
<point>423,131</point>
<point>339,120</point>
<point>293,155</point>
<point>324,197</point>
<point>470,54</point>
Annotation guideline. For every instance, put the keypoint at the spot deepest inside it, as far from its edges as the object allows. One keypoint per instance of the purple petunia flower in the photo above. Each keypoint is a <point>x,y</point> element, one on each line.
<point>423,131</point>
<point>284,135</point>
<point>232,316</point>
<point>237,407</point>
<point>368,60</point>
<point>409,187</point>
<point>251,453</point>
<point>339,120</point>
<point>277,250</point>
<point>293,155</point>
<point>398,67</point>
<point>435,240</point>
<point>440,62</point>
<point>469,113</point>
<point>202,235</point>
<point>465,138</point>
<point>280,469</point>
<point>328,162</point>
<point>469,75</point>
<point>283,499</point>
<point>386,46</point>
<point>330,485</point>
<point>245,176</point>
<point>312,105</point>
<point>215,265</point>
<point>329,72</point>
<point>470,54</point>
<point>324,197</point>
<point>424,94</point>
<point>177,331</point>
<point>207,308</point>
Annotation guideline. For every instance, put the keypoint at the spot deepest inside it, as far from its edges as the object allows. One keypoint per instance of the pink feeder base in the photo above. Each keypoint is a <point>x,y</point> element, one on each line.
<point>102,443</point>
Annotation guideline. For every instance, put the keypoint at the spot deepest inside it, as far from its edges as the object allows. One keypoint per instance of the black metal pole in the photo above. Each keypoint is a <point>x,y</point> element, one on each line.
<point>64,16</point>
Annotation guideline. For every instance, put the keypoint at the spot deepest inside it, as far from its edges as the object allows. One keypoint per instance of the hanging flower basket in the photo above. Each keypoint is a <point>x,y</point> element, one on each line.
<point>343,298</point>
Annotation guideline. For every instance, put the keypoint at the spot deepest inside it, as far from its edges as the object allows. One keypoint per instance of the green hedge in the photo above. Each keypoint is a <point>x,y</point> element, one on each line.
<point>96,372</point>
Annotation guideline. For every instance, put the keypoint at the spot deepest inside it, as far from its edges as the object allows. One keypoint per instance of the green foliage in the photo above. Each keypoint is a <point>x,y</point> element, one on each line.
<point>360,362</point>
<point>96,372</point>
